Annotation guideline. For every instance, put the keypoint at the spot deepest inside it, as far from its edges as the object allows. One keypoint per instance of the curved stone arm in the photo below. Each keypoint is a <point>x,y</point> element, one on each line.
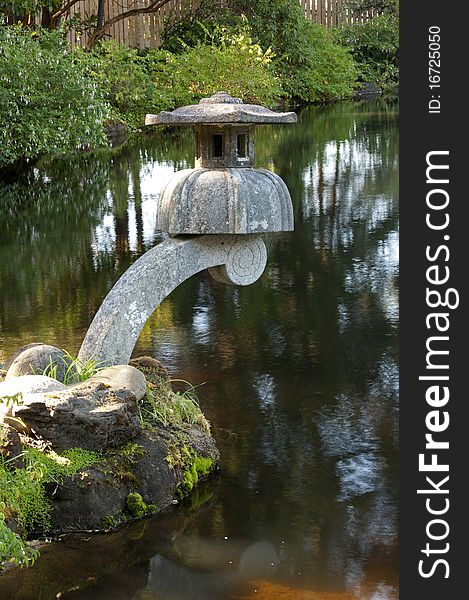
<point>113,333</point>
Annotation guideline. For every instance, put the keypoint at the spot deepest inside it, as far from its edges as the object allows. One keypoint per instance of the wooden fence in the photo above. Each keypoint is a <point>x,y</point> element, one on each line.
<point>144,30</point>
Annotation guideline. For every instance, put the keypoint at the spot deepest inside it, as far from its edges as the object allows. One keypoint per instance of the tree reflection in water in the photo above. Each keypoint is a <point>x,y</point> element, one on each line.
<point>300,369</point>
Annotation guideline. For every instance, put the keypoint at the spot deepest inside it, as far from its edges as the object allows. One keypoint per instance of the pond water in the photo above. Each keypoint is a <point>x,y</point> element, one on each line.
<point>297,373</point>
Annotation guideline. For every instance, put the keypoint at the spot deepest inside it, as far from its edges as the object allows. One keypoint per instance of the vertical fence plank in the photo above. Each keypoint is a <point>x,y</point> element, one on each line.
<point>145,30</point>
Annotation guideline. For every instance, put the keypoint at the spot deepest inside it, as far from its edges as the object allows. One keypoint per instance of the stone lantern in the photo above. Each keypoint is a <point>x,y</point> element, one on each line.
<point>223,194</point>
<point>215,215</point>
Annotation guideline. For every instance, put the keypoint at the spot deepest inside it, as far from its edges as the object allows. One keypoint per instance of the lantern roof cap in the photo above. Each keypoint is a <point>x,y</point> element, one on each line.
<point>220,108</point>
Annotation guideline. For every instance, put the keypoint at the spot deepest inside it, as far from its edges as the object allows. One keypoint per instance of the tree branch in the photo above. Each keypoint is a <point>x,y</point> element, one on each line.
<point>63,9</point>
<point>99,32</point>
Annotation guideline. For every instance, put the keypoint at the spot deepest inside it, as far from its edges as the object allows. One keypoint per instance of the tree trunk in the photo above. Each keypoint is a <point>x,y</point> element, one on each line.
<point>100,21</point>
<point>46,18</point>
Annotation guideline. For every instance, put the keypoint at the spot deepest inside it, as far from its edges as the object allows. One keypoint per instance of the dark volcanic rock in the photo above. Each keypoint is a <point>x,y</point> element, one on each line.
<point>139,470</point>
<point>87,415</point>
<point>82,501</point>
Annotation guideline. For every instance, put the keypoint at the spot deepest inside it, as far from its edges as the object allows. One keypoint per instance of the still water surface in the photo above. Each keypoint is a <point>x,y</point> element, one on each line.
<point>299,371</point>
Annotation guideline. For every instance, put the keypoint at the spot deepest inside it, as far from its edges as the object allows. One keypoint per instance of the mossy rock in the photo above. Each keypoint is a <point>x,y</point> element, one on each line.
<point>133,483</point>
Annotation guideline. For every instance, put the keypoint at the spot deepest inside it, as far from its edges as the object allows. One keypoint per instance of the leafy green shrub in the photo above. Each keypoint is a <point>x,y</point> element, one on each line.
<point>308,61</point>
<point>137,83</point>
<point>237,66</point>
<point>312,66</point>
<point>324,72</point>
<point>199,24</point>
<point>12,548</point>
<point>374,46</point>
<point>23,496</point>
<point>120,75</point>
<point>22,493</point>
<point>47,105</point>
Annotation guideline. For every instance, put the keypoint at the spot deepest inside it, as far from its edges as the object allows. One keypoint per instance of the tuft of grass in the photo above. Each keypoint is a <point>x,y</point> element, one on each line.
<point>76,370</point>
<point>164,406</point>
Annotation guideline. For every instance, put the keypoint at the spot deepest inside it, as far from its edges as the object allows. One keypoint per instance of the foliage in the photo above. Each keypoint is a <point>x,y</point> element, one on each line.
<point>358,8</point>
<point>163,406</point>
<point>120,75</point>
<point>23,495</point>
<point>76,370</point>
<point>237,66</point>
<point>47,106</point>
<point>52,467</point>
<point>374,45</point>
<point>325,70</point>
<point>309,63</point>
<point>24,8</point>
<point>202,24</point>
<point>12,547</point>
<point>137,83</point>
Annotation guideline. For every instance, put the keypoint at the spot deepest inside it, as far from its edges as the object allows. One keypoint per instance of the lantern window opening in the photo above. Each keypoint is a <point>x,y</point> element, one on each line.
<point>242,145</point>
<point>217,145</point>
<point>197,145</point>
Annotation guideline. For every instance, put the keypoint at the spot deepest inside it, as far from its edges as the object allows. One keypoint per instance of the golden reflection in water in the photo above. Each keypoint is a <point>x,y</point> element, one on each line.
<point>268,590</point>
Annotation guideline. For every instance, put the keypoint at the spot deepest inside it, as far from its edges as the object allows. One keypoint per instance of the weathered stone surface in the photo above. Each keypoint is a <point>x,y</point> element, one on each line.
<point>27,385</point>
<point>220,108</point>
<point>37,358</point>
<point>116,326</point>
<point>87,415</point>
<point>224,201</point>
<point>122,377</point>
<point>19,390</point>
<point>11,358</point>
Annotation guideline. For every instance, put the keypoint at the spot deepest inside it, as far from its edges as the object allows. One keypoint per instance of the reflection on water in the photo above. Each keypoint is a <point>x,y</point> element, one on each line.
<point>299,370</point>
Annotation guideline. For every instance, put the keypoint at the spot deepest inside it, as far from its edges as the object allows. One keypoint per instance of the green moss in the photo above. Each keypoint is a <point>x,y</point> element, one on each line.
<point>131,451</point>
<point>135,508</point>
<point>54,467</point>
<point>23,497</point>
<point>109,522</point>
<point>120,463</point>
<point>198,467</point>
